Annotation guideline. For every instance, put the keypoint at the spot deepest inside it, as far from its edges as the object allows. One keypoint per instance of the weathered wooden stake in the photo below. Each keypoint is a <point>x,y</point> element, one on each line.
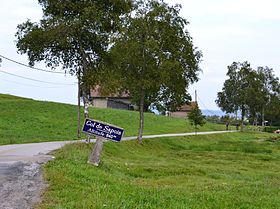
<point>94,157</point>
<point>79,106</point>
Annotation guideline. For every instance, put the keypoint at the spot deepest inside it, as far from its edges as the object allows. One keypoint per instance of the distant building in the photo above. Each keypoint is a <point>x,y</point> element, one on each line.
<point>183,111</point>
<point>116,101</point>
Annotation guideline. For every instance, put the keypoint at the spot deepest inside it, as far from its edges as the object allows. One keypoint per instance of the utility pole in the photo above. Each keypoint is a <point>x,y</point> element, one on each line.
<point>79,105</point>
<point>195,96</point>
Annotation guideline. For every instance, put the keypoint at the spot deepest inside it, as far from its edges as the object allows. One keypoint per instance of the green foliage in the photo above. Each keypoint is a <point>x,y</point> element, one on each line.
<point>72,34</point>
<point>195,117</point>
<point>271,129</point>
<point>154,56</point>
<point>255,93</point>
<point>234,170</point>
<point>235,94</point>
<point>25,120</point>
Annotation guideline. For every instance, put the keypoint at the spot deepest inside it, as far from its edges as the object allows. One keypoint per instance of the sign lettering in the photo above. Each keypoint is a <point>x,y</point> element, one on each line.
<point>102,129</point>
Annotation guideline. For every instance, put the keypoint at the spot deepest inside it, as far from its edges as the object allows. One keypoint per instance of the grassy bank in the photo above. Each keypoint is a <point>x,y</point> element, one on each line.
<point>235,170</point>
<point>25,120</point>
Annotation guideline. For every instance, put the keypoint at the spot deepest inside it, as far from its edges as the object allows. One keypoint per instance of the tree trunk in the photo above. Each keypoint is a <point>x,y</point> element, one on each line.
<point>242,119</point>
<point>86,112</point>
<point>86,106</point>
<point>94,157</point>
<point>84,86</point>
<point>141,114</point>
<point>79,106</point>
<point>263,117</point>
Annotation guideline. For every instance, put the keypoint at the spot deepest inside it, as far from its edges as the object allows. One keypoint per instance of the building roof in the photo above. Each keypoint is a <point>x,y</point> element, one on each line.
<point>97,92</point>
<point>187,107</point>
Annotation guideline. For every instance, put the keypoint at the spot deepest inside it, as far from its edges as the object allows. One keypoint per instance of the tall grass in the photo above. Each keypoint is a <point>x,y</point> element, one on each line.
<point>236,170</point>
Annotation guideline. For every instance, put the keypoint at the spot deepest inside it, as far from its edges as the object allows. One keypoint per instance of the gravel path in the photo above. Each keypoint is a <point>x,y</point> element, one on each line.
<point>21,185</point>
<point>21,181</point>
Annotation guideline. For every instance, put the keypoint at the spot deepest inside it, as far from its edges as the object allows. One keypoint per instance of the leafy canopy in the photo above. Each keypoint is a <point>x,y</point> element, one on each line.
<point>72,34</point>
<point>155,54</point>
<point>249,91</point>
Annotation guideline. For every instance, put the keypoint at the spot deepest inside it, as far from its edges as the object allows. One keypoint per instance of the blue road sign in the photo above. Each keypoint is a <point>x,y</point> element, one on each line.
<point>102,129</point>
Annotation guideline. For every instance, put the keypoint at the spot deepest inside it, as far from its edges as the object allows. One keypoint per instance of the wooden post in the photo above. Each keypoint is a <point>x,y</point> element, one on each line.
<point>94,157</point>
<point>141,121</point>
<point>79,106</point>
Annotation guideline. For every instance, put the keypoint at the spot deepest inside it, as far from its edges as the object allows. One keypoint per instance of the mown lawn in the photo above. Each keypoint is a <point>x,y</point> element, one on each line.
<point>234,170</point>
<point>25,120</point>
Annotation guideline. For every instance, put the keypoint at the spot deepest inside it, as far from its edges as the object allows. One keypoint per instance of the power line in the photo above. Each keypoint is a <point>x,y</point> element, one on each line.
<point>34,68</point>
<point>23,84</point>
<point>31,79</point>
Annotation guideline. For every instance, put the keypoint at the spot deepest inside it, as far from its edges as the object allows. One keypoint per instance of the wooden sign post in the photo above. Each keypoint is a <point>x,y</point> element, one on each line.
<point>102,131</point>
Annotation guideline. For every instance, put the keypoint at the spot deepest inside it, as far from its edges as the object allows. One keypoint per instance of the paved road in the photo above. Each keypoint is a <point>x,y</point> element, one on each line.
<point>180,134</point>
<point>20,178</point>
<point>38,152</point>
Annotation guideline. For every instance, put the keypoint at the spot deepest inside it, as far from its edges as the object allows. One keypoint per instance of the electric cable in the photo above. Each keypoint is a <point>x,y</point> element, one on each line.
<point>31,79</point>
<point>30,85</point>
<point>34,68</point>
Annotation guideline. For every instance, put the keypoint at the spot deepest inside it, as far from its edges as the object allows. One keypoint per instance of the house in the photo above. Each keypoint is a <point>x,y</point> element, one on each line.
<point>116,101</point>
<point>183,111</point>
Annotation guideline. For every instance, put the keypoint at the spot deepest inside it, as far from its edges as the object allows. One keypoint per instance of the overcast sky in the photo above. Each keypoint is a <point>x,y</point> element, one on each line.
<point>225,31</point>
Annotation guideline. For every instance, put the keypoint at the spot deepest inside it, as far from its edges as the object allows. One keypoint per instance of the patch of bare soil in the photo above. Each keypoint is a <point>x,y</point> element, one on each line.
<point>21,185</point>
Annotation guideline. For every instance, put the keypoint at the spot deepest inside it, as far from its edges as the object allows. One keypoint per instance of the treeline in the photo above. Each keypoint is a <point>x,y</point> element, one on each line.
<point>254,94</point>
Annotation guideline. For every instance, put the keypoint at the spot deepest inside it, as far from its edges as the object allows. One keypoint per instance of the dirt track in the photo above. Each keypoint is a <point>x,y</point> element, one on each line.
<point>21,180</point>
<point>20,185</point>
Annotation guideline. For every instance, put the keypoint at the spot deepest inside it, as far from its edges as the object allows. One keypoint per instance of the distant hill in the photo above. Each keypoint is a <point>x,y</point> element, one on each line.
<point>208,112</point>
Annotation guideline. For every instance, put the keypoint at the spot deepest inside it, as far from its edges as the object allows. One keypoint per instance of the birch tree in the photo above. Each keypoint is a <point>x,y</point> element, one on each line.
<point>155,55</point>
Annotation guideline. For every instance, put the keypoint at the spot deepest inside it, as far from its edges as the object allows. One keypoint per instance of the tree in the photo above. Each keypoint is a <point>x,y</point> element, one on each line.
<point>235,94</point>
<point>155,56</point>
<point>268,88</point>
<point>249,91</point>
<point>272,110</point>
<point>195,117</point>
<point>74,35</point>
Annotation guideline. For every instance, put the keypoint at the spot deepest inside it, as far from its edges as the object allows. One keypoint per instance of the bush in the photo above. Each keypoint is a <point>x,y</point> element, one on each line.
<point>270,129</point>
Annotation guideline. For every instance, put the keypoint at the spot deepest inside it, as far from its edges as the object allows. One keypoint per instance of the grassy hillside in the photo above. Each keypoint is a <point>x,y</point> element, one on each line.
<point>25,120</point>
<point>235,170</point>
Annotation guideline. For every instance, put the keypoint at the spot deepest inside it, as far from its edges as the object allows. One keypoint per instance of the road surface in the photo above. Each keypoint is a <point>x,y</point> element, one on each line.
<point>21,181</point>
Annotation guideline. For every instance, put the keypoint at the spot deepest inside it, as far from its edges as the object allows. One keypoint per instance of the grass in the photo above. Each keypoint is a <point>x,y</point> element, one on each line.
<point>234,170</point>
<point>26,120</point>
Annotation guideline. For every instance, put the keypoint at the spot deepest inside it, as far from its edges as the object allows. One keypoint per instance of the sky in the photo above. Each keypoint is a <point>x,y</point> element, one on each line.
<point>225,31</point>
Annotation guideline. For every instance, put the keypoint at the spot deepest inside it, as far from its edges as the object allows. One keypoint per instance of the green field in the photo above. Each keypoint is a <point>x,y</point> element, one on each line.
<point>25,120</point>
<point>234,170</point>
